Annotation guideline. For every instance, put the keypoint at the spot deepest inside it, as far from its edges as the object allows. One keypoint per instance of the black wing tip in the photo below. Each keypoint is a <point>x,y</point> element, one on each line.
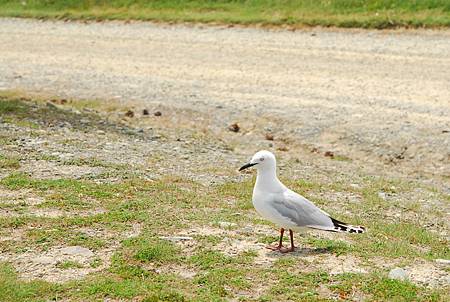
<point>343,227</point>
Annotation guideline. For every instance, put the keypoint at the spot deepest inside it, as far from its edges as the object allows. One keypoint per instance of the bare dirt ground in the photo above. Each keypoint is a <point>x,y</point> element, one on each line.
<point>371,96</point>
<point>377,102</point>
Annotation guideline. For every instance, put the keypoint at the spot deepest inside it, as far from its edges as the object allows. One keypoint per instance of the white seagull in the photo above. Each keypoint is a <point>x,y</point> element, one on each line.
<point>285,208</point>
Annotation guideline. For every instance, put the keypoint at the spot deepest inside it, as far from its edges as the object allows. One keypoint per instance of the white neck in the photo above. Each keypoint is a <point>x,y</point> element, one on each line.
<point>267,180</point>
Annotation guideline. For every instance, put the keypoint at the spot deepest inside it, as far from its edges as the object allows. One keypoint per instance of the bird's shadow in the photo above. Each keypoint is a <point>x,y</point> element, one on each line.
<point>299,252</point>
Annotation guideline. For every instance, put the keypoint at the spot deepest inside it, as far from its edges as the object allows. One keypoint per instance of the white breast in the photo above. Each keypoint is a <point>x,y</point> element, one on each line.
<point>262,205</point>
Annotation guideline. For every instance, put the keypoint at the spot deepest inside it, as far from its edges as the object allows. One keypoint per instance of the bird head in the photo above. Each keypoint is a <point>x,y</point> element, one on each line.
<point>263,160</point>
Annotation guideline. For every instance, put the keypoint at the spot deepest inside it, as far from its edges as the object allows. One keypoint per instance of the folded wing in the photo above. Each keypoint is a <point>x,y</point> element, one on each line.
<point>302,212</point>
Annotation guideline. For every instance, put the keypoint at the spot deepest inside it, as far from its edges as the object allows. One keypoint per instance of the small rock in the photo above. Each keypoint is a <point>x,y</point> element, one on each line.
<point>234,127</point>
<point>445,131</point>
<point>77,250</point>
<point>101,132</point>
<point>270,145</point>
<point>329,154</point>
<point>398,274</point>
<point>157,113</point>
<point>282,148</point>
<point>315,150</point>
<point>269,136</point>
<point>443,261</point>
<point>382,195</point>
<point>145,112</point>
<point>129,113</point>
<point>225,224</point>
<point>61,101</point>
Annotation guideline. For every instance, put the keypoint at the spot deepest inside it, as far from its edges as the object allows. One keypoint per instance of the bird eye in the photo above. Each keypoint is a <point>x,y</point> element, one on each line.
<point>261,159</point>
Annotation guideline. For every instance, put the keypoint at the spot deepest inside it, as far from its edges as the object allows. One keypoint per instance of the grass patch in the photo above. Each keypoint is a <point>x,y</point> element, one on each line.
<point>8,162</point>
<point>8,106</point>
<point>14,290</point>
<point>379,288</point>
<point>340,13</point>
<point>146,268</point>
<point>155,251</point>
<point>401,240</point>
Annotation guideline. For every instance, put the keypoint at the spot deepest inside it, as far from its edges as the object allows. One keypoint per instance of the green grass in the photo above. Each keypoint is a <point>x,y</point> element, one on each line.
<point>147,268</point>
<point>14,290</point>
<point>341,13</point>
<point>9,162</point>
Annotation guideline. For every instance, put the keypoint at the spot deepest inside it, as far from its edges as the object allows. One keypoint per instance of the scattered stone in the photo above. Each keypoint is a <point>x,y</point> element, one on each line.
<point>282,148</point>
<point>382,195</point>
<point>129,113</point>
<point>329,154</point>
<point>158,113</point>
<point>101,132</point>
<point>234,127</point>
<point>225,224</point>
<point>443,261</point>
<point>270,145</point>
<point>269,136</point>
<point>176,238</point>
<point>398,274</point>
<point>315,150</point>
<point>60,101</point>
<point>77,250</point>
<point>145,112</point>
<point>445,131</point>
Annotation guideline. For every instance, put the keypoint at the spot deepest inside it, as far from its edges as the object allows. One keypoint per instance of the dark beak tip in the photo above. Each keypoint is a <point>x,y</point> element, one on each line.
<point>246,166</point>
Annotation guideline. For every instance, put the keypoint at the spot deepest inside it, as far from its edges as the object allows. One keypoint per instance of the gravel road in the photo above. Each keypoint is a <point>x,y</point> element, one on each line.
<point>372,96</point>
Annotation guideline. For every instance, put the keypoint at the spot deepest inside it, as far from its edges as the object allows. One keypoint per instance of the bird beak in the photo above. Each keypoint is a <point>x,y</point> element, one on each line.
<point>247,166</point>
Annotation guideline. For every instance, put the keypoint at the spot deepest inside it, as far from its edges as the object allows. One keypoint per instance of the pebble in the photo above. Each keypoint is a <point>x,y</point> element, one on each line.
<point>269,136</point>
<point>398,274</point>
<point>234,127</point>
<point>77,250</point>
<point>329,154</point>
<point>129,113</point>
<point>382,195</point>
<point>225,224</point>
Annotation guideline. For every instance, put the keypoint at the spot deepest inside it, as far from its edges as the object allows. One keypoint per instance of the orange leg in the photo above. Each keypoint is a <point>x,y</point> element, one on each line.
<point>292,248</point>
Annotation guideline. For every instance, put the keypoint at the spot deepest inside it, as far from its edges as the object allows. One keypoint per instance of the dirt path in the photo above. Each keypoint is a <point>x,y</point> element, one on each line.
<point>375,96</point>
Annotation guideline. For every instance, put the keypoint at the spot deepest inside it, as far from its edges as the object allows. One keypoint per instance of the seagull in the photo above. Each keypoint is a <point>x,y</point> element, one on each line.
<point>285,208</point>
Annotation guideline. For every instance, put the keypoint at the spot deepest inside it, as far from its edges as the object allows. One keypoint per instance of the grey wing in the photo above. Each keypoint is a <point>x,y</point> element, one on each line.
<point>301,211</point>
